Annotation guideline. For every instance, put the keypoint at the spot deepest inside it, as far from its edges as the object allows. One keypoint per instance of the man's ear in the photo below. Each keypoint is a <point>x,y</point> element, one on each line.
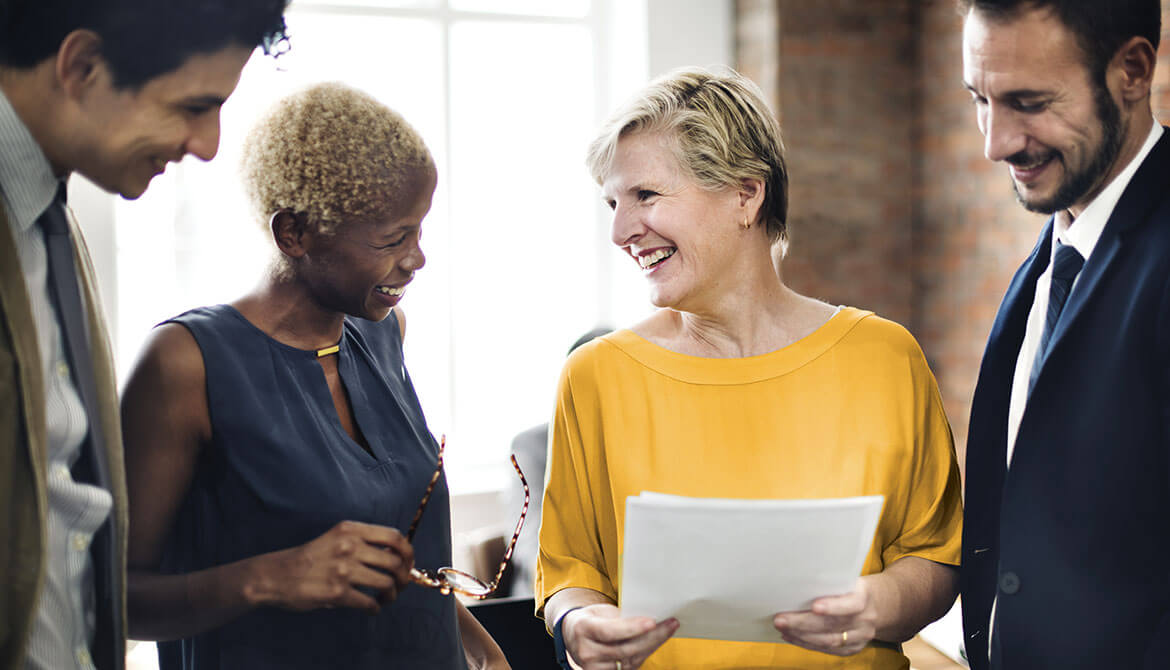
<point>80,62</point>
<point>1133,65</point>
<point>289,230</point>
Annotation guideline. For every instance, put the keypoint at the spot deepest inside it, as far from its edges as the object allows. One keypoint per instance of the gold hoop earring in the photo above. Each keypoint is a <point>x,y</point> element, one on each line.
<point>746,224</point>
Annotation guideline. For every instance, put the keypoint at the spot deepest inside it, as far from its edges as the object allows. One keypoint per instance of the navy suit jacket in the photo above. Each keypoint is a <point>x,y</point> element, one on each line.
<point>1075,537</point>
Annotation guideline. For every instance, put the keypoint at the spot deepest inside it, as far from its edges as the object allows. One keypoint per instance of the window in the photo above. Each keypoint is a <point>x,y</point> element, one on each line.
<point>506,93</point>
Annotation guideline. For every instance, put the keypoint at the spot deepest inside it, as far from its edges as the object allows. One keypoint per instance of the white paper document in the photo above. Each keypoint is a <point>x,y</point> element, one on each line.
<point>724,568</point>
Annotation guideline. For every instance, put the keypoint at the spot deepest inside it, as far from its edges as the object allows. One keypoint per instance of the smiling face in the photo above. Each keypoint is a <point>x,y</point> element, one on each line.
<point>361,268</point>
<point>1039,109</point>
<point>128,136</point>
<point>686,239</point>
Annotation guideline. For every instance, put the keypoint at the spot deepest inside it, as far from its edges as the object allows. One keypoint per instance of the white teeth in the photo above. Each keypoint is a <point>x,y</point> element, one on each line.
<point>651,259</point>
<point>389,290</point>
<point>1033,166</point>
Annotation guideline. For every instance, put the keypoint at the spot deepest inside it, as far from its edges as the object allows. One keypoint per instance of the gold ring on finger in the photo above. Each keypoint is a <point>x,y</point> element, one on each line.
<point>844,638</point>
<point>617,665</point>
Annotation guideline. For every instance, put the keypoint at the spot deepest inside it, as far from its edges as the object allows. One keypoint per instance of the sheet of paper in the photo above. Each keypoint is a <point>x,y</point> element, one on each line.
<point>724,568</point>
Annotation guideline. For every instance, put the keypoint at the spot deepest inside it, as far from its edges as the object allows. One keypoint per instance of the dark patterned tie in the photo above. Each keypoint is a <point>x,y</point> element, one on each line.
<point>91,467</point>
<point>1065,267</point>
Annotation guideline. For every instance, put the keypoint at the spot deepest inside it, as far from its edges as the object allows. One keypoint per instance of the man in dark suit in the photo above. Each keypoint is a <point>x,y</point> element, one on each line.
<point>1066,546</point>
<point>115,90</point>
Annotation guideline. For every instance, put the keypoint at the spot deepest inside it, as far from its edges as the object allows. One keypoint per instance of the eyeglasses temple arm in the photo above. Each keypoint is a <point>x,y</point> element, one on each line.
<point>431,487</point>
<point>515,536</point>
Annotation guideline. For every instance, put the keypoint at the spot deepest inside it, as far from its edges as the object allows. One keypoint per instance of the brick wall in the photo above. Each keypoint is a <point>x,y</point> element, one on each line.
<point>972,235</point>
<point>894,208</point>
<point>844,88</point>
<point>1161,95</point>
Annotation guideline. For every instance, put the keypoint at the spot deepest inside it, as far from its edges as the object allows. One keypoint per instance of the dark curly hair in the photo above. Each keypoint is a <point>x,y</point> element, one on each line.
<point>141,39</point>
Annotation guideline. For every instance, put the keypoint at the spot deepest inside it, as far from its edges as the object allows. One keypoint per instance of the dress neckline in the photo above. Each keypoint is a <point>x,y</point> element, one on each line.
<point>746,370</point>
<point>308,353</point>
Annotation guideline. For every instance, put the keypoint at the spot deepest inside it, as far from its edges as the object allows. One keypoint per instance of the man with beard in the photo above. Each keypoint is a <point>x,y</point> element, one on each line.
<point>1065,544</point>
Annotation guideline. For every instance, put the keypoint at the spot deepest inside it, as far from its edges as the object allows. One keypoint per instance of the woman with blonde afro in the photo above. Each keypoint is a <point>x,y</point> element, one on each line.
<point>276,452</point>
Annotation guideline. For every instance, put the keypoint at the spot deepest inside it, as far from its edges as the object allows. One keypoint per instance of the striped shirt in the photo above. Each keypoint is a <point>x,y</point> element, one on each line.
<point>65,619</point>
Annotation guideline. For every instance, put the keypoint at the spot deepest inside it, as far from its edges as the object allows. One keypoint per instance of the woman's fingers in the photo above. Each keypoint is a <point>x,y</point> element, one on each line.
<point>386,561</point>
<point>840,644</point>
<point>847,605</point>
<point>354,565</point>
<point>381,547</point>
<point>369,578</point>
<point>388,538</point>
<point>810,623</point>
<point>636,651</point>
<point>355,599</point>
<point>840,625</point>
<point>601,637</point>
<point>616,630</point>
<point>840,635</point>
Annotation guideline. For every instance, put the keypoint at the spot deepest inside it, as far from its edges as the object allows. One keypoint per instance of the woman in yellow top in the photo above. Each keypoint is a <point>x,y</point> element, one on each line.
<point>737,387</point>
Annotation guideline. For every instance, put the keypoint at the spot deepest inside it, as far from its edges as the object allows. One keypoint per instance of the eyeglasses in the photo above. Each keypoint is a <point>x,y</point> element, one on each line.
<point>450,579</point>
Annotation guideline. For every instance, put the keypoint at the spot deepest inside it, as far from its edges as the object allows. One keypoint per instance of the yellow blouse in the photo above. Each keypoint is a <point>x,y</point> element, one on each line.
<point>850,410</point>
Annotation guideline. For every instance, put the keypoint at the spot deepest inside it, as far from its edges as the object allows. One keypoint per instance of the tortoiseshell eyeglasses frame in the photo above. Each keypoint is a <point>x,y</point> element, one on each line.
<point>450,579</point>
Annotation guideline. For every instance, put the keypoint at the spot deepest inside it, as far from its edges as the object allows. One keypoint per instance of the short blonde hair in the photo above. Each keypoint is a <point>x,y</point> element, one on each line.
<point>332,154</point>
<point>721,129</point>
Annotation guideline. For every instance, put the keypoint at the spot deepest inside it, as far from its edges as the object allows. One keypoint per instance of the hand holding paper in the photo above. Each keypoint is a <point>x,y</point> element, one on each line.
<point>841,625</point>
<point>598,635</point>
<point>725,568</point>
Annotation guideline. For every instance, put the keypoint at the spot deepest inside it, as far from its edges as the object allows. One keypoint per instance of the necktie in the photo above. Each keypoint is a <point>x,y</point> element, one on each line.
<point>91,466</point>
<point>71,313</point>
<point>1065,268</point>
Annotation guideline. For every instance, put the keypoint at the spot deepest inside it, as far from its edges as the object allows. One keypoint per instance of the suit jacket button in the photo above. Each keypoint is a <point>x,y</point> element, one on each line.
<point>1009,583</point>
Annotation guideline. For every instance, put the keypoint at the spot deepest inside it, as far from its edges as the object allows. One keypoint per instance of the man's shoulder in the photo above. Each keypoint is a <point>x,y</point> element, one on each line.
<point>1148,188</point>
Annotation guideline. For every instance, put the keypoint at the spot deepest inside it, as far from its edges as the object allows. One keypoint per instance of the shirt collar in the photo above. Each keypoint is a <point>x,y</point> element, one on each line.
<point>1092,220</point>
<point>26,178</point>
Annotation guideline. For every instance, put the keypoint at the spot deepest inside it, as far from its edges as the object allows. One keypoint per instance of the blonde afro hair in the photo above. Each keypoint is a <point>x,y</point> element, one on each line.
<point>333,154</point>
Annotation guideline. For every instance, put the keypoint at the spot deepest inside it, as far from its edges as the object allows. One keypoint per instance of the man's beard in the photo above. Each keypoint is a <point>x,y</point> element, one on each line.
<point>1078,184</point>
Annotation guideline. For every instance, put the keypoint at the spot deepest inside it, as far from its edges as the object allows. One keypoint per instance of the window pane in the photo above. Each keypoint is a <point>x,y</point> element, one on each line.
<point>525,239</point>
<point>566,8</point>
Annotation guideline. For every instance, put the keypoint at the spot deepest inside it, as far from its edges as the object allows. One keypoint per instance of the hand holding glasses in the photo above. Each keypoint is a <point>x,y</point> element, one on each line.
<point>450,579</point>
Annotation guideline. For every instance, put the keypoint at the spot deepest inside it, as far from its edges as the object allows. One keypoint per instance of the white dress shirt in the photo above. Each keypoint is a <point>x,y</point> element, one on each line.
<point>1083,237</point>
<point>65,619</point>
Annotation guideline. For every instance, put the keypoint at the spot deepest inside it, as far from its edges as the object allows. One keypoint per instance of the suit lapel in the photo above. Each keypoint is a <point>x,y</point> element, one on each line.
<point>109,546</point>
<point>987,432</point>
<point>1104,254</point>
<point>1007,334</point>
<point>16,309</point>
<point>1146,189</point>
